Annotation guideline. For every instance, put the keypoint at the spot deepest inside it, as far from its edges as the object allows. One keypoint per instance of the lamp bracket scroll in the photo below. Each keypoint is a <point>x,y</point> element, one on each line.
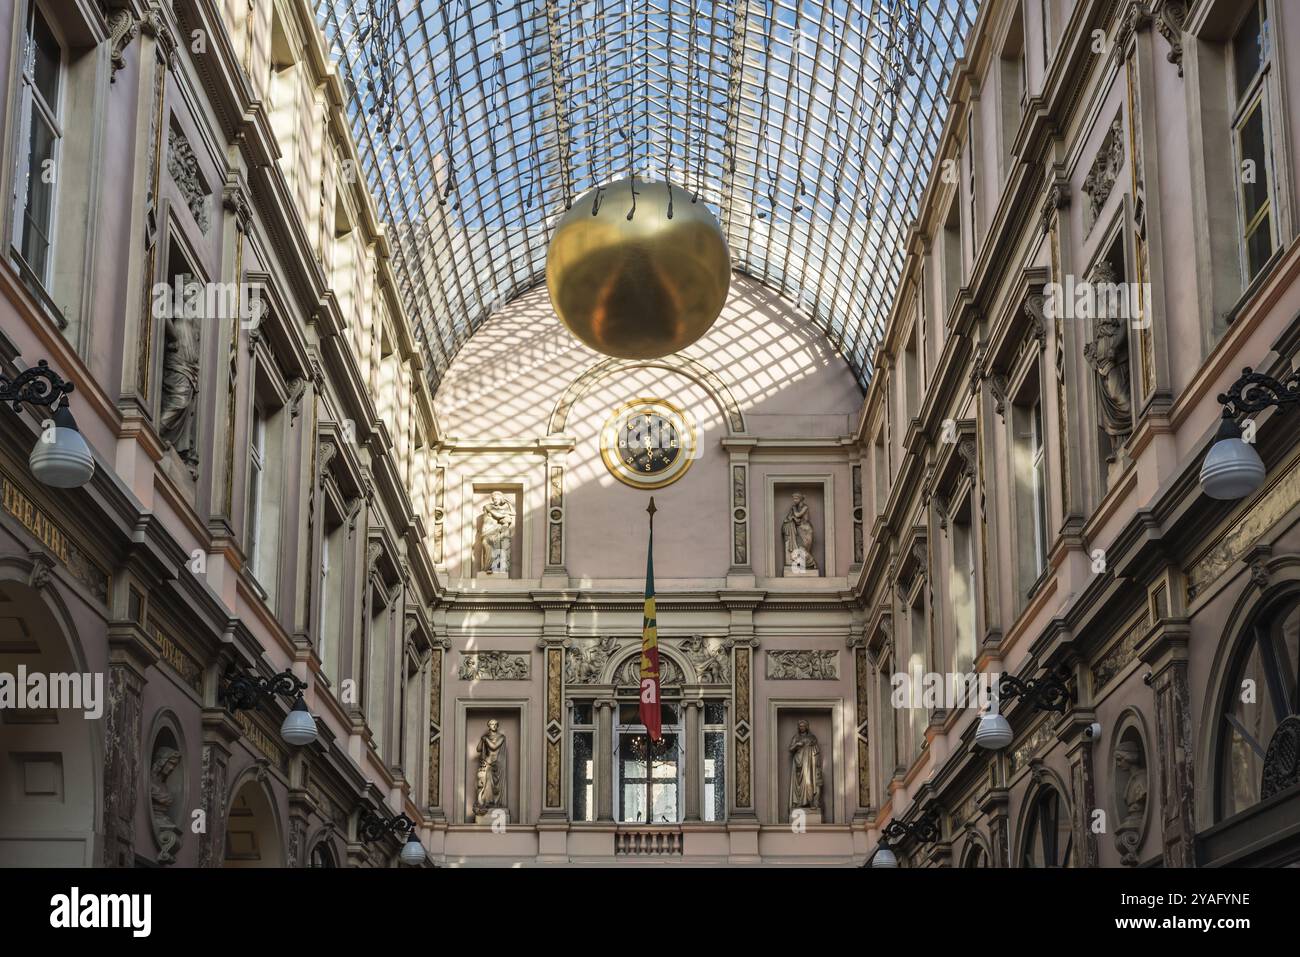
<point>1255,392</point>
<point>1048,693</point>
<point>37,385</point>
<point>924,830</point>
<point>372,828</point>
<point>244,692</point>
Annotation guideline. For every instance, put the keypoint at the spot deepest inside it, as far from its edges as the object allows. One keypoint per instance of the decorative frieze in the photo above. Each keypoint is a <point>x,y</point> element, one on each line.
<point>493,666</point>
<point>1104,172</point>
<point>1117,657</point>
<point>585,659</point>
<point>183,166</point>
<point>709,657</point>
<point>800,665</point>
<point>1031,745</point>
<point>1249,527</point>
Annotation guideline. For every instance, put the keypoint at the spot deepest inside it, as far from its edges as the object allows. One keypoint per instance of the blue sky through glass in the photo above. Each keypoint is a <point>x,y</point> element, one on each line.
<point>807,127</point>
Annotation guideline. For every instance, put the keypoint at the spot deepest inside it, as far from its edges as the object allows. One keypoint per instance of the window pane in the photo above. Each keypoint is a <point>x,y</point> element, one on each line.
<point>1254,195</point>
<point>1249,725</point>
<point>715,712</point>
<point>581,713</point>
<point>45,61</point>
<point>664,801</point>
<point>584,807</point>
<point>715,776</point>
<point>1249,47</point>
<point>38,215</point>
<point>1259,247</point>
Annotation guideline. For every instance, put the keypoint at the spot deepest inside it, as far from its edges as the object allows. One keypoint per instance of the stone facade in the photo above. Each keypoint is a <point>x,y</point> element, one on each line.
<point>1070,536</point>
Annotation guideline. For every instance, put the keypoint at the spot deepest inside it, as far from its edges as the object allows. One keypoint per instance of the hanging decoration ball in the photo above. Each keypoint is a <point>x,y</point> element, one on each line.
<point>636,270</point>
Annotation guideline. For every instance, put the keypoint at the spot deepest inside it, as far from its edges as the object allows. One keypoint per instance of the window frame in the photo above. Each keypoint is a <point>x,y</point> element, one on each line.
<point>1038,472</point>
<point>256,489</point>
<point>31,101</point>
<point>677,728</point>
<point>1257,97</point>
<point>720,771</point>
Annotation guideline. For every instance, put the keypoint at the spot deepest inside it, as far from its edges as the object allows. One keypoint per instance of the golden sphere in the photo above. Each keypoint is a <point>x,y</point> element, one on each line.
<point>643,287</point>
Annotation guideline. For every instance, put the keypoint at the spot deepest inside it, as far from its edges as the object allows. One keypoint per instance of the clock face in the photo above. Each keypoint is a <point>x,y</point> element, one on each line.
<point>648,443</point>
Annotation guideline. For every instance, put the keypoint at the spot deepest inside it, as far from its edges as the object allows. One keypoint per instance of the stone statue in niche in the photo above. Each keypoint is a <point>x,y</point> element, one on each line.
<point>797,534</point>
<point>165,829</point>
<point>1107,353</point>
<point>490,786</point>
<point>1130,799</point>
<point>806,774</point>
<point>177,419</point>
<point>497,536</point>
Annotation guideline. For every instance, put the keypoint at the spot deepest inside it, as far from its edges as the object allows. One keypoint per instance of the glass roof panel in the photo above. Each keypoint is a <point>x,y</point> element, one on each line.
<point>807,126</point>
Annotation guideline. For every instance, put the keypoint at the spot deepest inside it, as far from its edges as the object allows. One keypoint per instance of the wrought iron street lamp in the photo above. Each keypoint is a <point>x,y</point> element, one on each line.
<point>924,830</point>
<point>1048,693</point>
<point>244,692</point>
<point>372,828</point>
<point>61,457</point>
<point>1232,468</point>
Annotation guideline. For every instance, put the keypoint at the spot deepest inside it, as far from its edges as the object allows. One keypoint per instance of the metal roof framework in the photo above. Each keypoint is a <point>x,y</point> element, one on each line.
<point>807,126</point>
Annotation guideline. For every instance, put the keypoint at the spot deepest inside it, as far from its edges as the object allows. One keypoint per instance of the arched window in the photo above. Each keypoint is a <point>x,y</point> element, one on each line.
<point>976,855</point>
<point>1048,838</point>
<point>322,855</point>
<point>1261,712</point>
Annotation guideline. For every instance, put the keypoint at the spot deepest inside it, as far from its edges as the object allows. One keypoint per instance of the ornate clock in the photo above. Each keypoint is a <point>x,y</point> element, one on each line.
<point>648,443</point>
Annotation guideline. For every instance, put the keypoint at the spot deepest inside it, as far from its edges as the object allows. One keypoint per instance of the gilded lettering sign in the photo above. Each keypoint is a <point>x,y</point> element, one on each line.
<point>48,532</point>
<point>177,658</point>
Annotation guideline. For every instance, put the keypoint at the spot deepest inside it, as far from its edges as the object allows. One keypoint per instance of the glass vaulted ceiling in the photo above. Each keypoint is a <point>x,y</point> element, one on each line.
<point>808,127</point>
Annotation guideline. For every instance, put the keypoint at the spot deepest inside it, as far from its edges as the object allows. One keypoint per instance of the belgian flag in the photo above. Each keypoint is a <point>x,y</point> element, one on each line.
<point>650,711</point>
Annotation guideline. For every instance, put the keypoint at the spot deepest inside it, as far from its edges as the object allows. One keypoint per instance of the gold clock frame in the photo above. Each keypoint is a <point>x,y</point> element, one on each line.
<point>685,428</point>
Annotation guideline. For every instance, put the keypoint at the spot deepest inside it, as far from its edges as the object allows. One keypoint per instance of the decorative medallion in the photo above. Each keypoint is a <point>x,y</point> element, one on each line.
<point>648,443</point>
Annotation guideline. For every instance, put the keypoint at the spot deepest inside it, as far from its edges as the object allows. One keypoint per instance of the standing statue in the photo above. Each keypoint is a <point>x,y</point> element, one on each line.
<point>490,791</point>
<point>1131,796</point>
<point>805,770</point>
<point>166,831</point>
<point>797,533</point>
<point>498,535</point>
<point>180,384</point>
<point>1108,354</point>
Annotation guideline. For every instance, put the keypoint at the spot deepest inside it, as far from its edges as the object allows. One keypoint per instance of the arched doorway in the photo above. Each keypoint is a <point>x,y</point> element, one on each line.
<point>47,759</point>
<point>252,831</point>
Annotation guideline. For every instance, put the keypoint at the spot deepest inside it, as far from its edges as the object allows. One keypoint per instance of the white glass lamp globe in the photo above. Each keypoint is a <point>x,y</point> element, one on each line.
<point>993,732</point>
<point>884,857</point>
<point>61,458</point>
<point>1232,468</point>
<point>412,850</point>
<point>299,726</point>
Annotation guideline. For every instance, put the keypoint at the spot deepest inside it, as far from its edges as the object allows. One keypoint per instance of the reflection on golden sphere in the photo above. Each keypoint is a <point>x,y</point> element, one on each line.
<point>643,287</point>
